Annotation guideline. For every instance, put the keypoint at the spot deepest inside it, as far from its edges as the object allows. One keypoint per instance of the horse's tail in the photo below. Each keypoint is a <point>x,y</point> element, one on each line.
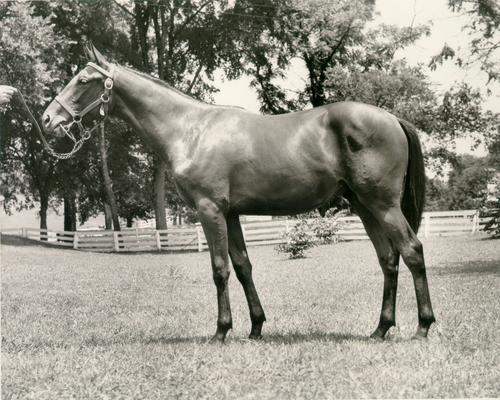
<point>412,203</point>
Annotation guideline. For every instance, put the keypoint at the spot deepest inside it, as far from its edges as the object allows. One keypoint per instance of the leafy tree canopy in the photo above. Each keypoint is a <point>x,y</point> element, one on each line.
<point>483,29</point>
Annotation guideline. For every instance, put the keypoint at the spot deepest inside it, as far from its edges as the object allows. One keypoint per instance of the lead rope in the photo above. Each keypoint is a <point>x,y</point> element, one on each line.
<point>77,143</point>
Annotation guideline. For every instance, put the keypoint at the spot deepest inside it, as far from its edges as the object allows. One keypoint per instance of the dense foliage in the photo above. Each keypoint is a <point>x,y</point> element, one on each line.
<point>310,230</point>
<point>299,238</point>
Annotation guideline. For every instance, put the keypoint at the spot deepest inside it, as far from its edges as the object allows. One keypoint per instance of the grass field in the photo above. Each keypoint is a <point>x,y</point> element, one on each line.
<point>110,326</point>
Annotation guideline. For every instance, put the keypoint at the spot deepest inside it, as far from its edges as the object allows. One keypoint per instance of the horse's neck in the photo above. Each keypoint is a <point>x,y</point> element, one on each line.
<point>159,113</point>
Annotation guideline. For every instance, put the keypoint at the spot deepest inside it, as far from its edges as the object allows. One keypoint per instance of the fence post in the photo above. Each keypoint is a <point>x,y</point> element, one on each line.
<point>116,244</point>
<point>427,223</point>
<point>475,223</point>
<point>158,241</point>
<point>287,225</point>
<point>243,231</point>
<point>75,240</point>
<point>198,234</point>
<point>24,232</point>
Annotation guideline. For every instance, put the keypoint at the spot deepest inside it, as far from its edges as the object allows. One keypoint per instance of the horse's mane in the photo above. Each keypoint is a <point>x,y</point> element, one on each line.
<point>170,87</point>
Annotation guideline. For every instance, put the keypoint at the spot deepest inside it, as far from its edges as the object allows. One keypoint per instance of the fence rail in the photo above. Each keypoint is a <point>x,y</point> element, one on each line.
<point>442,223</point>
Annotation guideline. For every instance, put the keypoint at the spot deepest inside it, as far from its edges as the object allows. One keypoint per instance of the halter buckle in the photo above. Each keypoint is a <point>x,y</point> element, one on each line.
<point>105,98</point>
<point>77,118</point>
<point>108,83</point>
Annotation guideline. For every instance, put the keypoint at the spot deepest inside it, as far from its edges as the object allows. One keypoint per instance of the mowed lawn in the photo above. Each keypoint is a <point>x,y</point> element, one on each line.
<point>110,326</point>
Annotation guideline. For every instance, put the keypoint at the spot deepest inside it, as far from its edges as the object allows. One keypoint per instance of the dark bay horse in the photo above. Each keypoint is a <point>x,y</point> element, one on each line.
<point>227,161</point>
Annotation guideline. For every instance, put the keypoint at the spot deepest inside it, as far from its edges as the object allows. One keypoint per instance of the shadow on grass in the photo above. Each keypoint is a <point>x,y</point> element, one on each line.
<point>177,340</point>
<point>11,240</point>
<point>93,341</point>
<point>470,268</point>
<point>286,338</point>
<point>300,337</point>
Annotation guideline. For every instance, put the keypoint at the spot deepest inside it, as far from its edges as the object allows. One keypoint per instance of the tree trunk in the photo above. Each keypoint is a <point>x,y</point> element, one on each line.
<point>69,212</point>
<point>141,11</point>
<point>108,219</point>
<point>108,185</point>
<point>44,205</point>
<point>130,220</point>
<point>160,170</point>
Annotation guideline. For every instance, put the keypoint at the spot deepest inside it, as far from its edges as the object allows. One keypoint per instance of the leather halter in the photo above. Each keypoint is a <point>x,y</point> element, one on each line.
<point>102,101</point>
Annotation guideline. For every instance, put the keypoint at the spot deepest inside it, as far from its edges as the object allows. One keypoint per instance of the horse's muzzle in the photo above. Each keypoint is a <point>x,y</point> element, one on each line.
<point>53,126</point>
<point>58,131</point>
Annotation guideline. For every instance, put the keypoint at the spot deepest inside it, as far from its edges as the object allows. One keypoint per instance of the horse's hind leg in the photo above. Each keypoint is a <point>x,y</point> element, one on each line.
<point>243,269</point>
<point>388,258</point>
<point>406,242</point>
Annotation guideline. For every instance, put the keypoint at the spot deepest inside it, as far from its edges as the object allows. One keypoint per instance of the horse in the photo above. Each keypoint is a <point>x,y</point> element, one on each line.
<point>227,162</point>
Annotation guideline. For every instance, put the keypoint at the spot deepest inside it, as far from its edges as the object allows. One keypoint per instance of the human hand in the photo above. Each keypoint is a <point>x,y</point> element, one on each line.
<point>6,93</point>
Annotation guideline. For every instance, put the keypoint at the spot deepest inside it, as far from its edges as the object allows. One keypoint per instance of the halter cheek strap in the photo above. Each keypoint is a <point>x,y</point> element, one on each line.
<point>102,101</point>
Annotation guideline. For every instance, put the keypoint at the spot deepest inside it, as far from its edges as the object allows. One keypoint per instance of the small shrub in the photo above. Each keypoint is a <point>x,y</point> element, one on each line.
<point>325,229</point>
<point>298,240</point>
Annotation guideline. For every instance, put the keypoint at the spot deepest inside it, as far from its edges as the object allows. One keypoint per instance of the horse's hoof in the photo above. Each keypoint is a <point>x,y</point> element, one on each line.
<point>377,338</point>
<point>255,337</point>
<point>419,336</point>
<point>421,333</point>
<point>217,339</point>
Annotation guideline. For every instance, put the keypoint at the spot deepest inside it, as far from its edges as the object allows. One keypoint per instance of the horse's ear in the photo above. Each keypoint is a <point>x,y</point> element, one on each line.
<point>87,47</point>
<point>95,55</point>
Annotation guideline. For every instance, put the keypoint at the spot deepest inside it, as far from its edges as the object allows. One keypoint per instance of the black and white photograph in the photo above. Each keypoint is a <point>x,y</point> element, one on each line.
<point>250,199</point>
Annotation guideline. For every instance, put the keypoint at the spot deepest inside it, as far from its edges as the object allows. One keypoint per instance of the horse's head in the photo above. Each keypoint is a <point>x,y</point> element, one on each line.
<point>85,99</point>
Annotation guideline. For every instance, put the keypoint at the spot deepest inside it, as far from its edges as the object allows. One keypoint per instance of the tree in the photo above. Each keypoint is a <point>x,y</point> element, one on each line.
<point>327,32</point>
<point>483,30</point>
<point>460,114</point>
<point>130,173</point>
<point>108,185</point>
<point>329,38</point>
<point>436,193</point>
<point>492,205</point>
<point>467,183</point>
<point>400,89</point>
<point>29,60</point>
<point>256,42</point>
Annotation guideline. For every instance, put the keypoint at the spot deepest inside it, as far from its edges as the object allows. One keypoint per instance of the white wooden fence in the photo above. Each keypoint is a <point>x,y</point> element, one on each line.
<point>191,238</point>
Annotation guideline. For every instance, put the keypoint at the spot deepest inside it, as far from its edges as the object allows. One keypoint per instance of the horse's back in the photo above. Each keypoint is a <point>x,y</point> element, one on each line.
<point>333,120</point>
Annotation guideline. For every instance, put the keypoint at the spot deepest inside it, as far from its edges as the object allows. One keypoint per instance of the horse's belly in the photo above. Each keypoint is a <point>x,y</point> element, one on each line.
<point>283,195</point>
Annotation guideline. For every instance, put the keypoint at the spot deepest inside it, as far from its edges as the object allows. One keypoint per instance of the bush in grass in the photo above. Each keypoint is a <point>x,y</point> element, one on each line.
<point>298,240</point>
<point>325,229</point>
<point>310,231</point>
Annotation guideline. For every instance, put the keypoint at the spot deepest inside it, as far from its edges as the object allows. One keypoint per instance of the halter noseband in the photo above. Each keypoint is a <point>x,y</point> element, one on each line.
<point>77,116</point>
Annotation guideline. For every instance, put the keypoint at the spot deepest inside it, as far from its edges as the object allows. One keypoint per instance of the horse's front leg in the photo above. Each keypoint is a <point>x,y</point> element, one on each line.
<point>214,225</point>
<point>243,268</point>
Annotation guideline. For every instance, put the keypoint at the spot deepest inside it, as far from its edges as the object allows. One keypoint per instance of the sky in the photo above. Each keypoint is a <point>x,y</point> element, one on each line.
<point>446,27</point>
